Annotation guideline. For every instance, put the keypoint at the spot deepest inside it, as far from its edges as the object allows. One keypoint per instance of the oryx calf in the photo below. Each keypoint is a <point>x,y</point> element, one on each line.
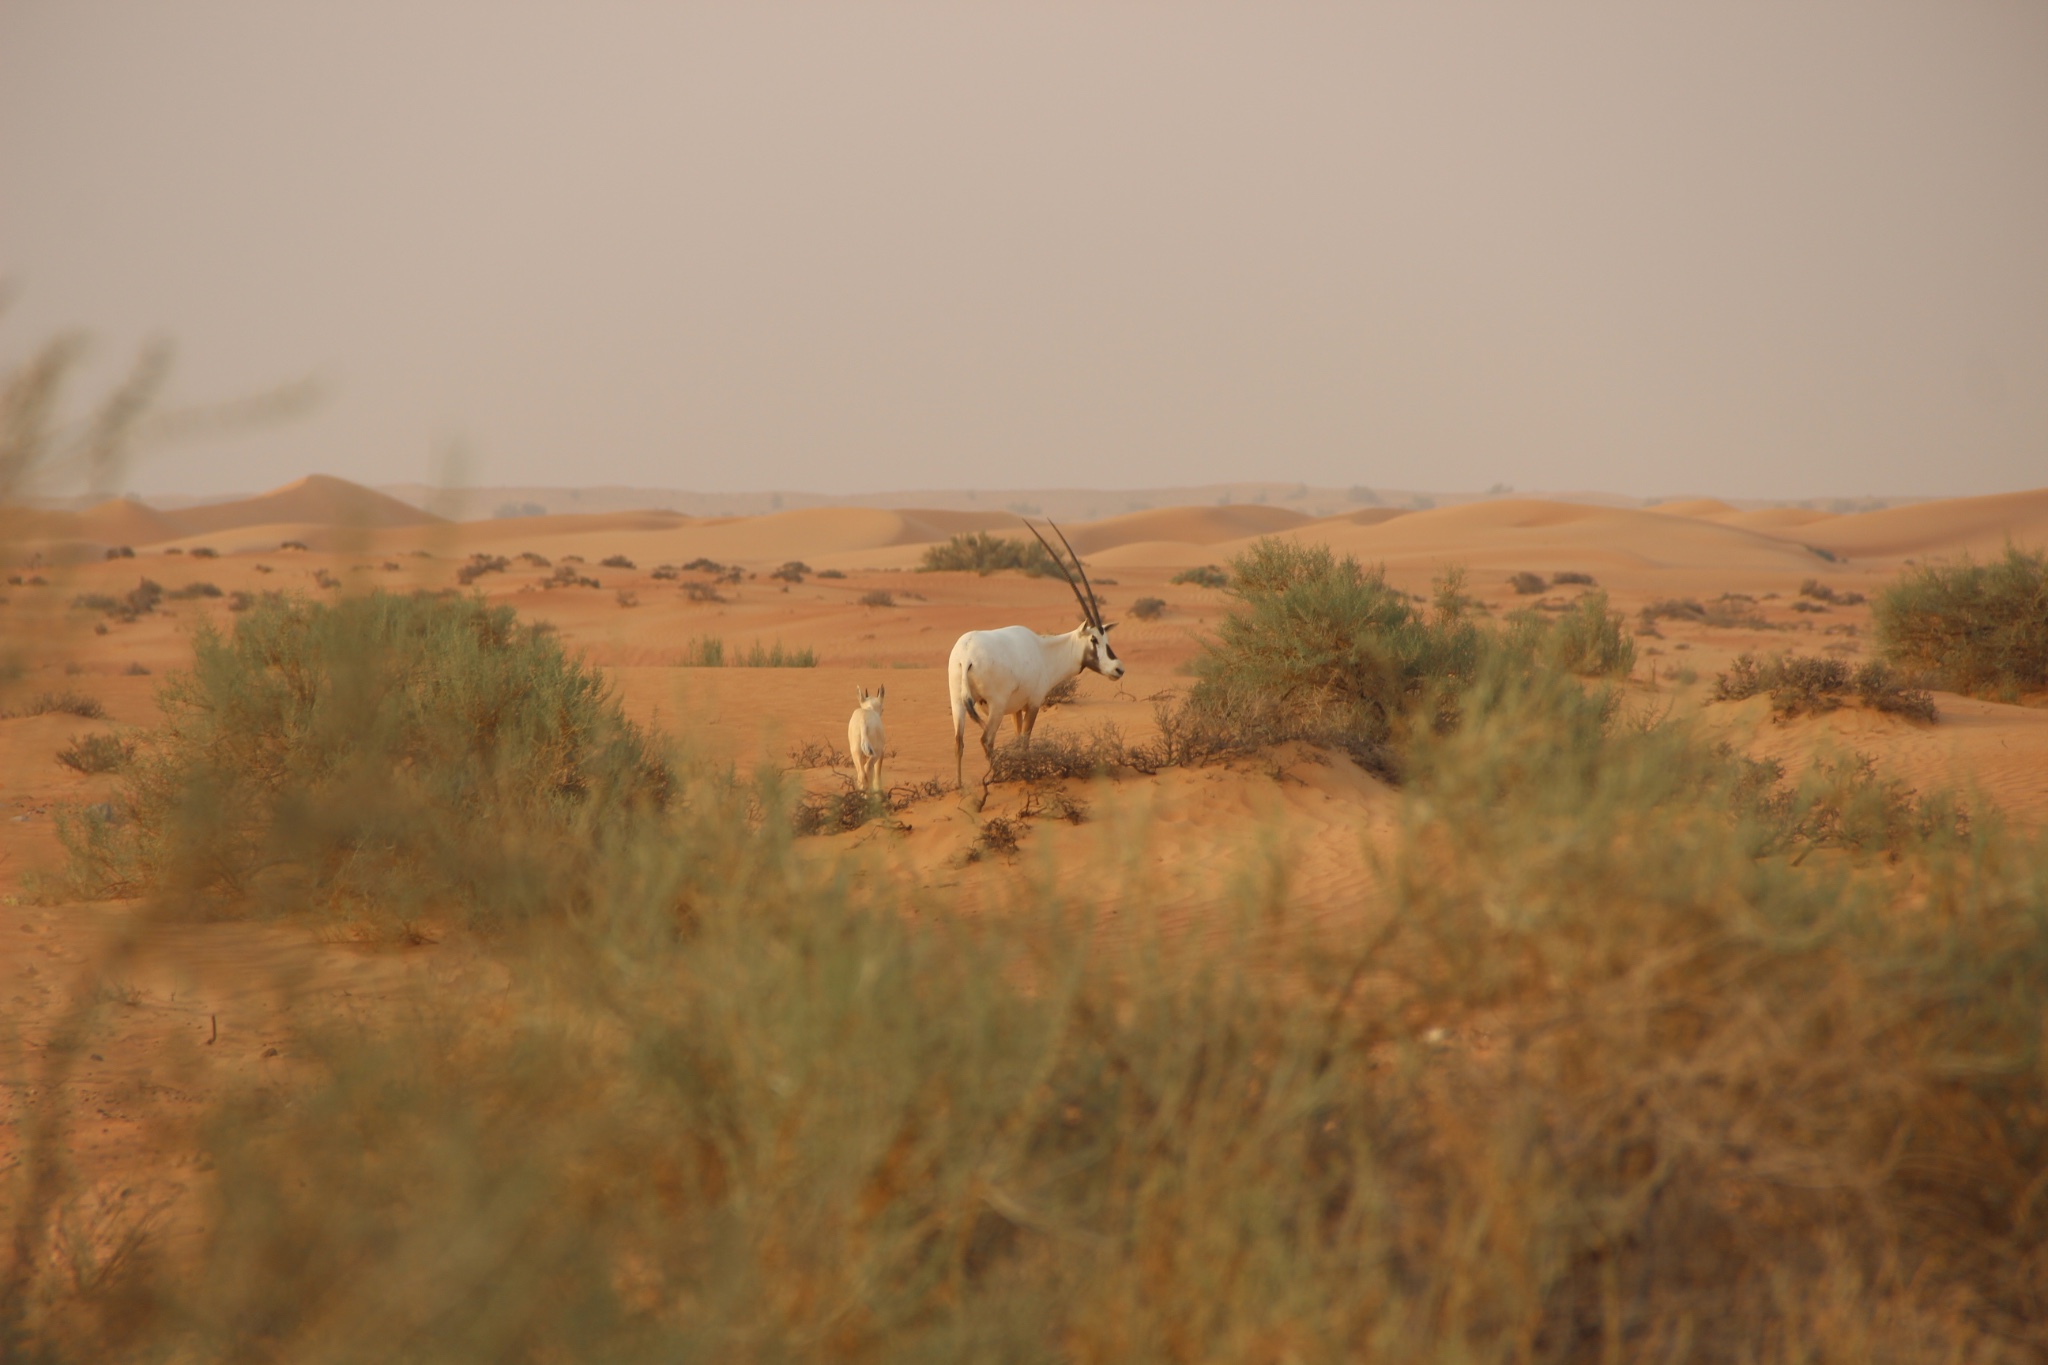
<point>1009,671</point>
<point>864,739</point>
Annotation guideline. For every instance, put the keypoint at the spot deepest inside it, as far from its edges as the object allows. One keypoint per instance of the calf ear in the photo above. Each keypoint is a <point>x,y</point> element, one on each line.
<point>881,691</point>
<point>860,692</point>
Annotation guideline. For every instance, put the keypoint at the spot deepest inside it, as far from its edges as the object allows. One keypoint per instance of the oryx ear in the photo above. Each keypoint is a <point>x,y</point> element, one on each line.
<point>860,692</point>
<point>1108,628</point>
<point>881,691</point>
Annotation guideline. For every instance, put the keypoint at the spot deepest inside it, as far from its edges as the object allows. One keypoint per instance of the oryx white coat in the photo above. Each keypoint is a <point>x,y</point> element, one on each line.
<point>864,739</point>
<point>1007,672</point>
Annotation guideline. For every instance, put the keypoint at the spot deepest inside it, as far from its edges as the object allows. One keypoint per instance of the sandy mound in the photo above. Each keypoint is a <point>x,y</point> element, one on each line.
<point>124,521</point>
<point>1529,533</point>
<point>1371,516</point>
<point>317,500</point>
<point>1980,526</point>
<point>821,536</point>
<point>1184,525</point>
<point>1710,509</point>
<point>1779,518</point>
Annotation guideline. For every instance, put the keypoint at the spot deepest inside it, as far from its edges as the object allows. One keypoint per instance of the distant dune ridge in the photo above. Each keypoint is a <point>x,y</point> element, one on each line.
<point>1508,532</point>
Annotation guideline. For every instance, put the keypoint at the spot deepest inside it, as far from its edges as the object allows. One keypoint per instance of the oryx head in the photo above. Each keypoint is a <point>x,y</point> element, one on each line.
<point>1093,630</point>
<point>871,701</point>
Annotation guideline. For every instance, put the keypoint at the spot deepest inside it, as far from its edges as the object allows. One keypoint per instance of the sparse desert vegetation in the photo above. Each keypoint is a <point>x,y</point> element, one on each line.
<point>1618,1042</point>
<point>1616,1086</point>
<point>1807,686</point>
<point>985,553</point>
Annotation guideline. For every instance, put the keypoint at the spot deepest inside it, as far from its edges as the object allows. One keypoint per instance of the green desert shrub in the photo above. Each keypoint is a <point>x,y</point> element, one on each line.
<point>710,652</point>
<point>64,702</point>
<point>1324,645</point>
<point>101,753</point>
<point>1975,628</point>
<point>1148,608</point>
<point>1527,584</point>
<point>1586,638</point>
<point>388,757</point>
<point>984,553</point>
<point>1206,576</point>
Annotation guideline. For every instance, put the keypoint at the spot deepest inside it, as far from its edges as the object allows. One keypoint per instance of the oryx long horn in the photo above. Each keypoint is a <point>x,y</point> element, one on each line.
<point>1087,605</point>
<point>1094,607</point>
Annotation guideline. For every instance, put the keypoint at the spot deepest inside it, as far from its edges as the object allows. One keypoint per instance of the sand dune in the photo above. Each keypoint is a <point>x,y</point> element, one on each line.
<point>1778,518</point>
<point>1979,526</point>
<point>1509,533</point>
<point>1183,525</point>
<point>317,499</point>
<point>123,521</point>
<point>1709,509</point>
<point>1528,533</point>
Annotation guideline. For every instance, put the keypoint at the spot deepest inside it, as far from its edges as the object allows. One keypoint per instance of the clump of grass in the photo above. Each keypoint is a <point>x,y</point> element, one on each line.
<point>101,753</point>
<point>616,562</point>
<point>707,652</point>
<point>63,703</point>
<point>1728,611</point>
<point>537,561</point>
<point>664,573</point>
<point>703,565</point>
<point>1810,686</point>
<point>1207,576</point>
<point>812,754</point>
<point>831,573</point>
<point>1821,592</point>
<point>1569,577</point>
<point>1062,693</point>
<point>204,552</point>
<point>385,757</point>
<point>1061,756</point>
<point>878,597</point>
<point>697,591</point>
<point>479,565</point>
<point>999,835</point>
<point>191,592</point>
<point>566,575</point>
<point>1527,584</point>
<point>1585,638</point>
<point>792,571</point>
<point>300,545</point>
<point>1148,608</point>
<point>626,597</point>
<point>1975,628</point>
<point>984,553</point>
<point>120,552</point>
<point>140,600</point>
<point>775,656</point>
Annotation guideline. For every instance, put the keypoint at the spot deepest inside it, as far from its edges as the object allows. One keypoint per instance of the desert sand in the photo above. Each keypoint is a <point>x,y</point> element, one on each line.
<point>882,623</point>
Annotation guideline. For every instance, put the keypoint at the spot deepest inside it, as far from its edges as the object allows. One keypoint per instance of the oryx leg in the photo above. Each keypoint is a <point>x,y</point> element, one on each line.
<point>989,733</point>
<point>1027,721</point>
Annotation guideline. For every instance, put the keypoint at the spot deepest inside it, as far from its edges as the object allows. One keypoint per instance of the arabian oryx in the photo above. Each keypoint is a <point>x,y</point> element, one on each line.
<point>864,739</point>
<point>1009,671</point>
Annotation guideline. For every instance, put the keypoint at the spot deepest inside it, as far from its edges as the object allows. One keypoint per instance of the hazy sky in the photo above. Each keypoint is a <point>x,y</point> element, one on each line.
<point>1747,247</point>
